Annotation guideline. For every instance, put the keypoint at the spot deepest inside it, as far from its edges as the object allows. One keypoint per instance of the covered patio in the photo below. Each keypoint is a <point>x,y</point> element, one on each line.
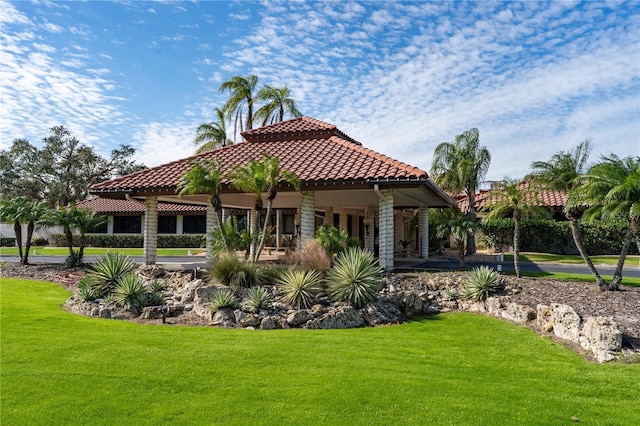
<point>370,195</point>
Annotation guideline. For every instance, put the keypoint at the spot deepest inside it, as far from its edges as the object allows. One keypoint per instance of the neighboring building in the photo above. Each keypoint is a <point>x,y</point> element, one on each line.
<point>343,183</point>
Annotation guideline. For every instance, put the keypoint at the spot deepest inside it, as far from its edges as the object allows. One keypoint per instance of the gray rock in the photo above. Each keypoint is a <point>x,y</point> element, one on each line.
<point>384,311</point>
<point>519,313</point>
<point>494,305</point>
<point>343,316</point>
<point>566,322</point>
<point>151,271</point>
<point>224,318</point>
<point>250,321</point>
<point>269,323</point>
<point>297,318</point>
<point>152,312</point>
<point>602,336</point>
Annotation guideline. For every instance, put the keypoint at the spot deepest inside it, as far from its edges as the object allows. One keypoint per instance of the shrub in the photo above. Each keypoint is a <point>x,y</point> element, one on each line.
<point>312,256</point>
<point>130,240</point>
<point>154,298</point>
<point>450,293</point>
<point>7,242</point>
<point>233,272</point>
<point>157,286</point>
<point>73,260</point>
<point>129,292</point>
<point>482,282</point>
<point>299,287</point>
<point>335,240</point>
<point>223,298</point>
<point>40,242</point>
<point>354,278</point>
<point>257,298</point>
<point>86,292</point>
<point>106,272</point>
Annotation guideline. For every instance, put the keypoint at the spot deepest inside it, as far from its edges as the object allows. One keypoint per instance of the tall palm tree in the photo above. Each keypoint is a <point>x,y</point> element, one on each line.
<point>13,210</point>
<point>561,173</point>
<point>521,201</point>
<point>260,177</point>
<point>84,221</point>
<point>459,167</point>
<point>210,136</point>
<point>241,90</point>
<point>278,104</point>
<point>35,213</point>
<point>205,177</point>
<point>612,189</point>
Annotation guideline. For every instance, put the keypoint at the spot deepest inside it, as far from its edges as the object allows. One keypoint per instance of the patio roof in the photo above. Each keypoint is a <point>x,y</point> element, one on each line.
<point>320,154</point>
<point>108,206</point>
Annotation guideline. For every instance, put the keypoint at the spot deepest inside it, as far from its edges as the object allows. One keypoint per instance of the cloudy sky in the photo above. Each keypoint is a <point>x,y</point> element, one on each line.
<point>400,77</point>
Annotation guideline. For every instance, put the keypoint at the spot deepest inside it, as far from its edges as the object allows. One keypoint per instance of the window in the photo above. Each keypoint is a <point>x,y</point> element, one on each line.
<point>167,224</point>
<point>194,224</point>
<point>127,224</point>
<point>288,224</point>
<point>100,229</point>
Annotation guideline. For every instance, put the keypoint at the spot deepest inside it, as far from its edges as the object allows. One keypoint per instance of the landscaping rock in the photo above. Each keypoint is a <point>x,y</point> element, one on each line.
<point>518,313</point>
<point>493,305</point>
<point>602,336</point>
<point>384,311</point>
<point>151,271</point>
<point>224,318</point>
<point>297,318</point>
<point>544,318</point>
<point>343,316</point>
<point>269,323</point>
<point>566,323</point>
<point>152,312</point>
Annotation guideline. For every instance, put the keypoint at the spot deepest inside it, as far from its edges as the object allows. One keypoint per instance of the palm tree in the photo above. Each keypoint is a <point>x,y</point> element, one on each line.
<point>205,177</point>
<point>65,217</point>
<point>278,104</point>
<point>612,189</point>
<point>84,220</point>
<point>35,213</point>
<point>520,200</point>
<point>460,167</point>
<point>454,222</point>
<point>259,177</point>
<point>241,95</point>
<point>210,136</point>
<point>561,173</point>
<point>13,210</point>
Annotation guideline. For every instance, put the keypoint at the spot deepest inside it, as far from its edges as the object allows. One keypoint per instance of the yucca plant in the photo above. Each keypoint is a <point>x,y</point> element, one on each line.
<point>354,278</point>
<point>299,287</point>
<point>106,272</point>
<point>154,299</point>
<point>86,292</point>
<point>257,298</point>
<point>223,298</point>
<point>156,286</point>
<point>450,293</point>
<point>482,282</point>
<point>130,292</point>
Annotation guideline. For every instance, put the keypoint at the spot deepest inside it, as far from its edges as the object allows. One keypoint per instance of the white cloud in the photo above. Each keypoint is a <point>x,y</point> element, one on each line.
<point>52,28</point>
<point>158,143</point>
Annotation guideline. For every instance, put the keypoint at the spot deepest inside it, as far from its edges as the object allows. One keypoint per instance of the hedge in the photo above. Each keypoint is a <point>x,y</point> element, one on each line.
<point>7,242</point>
<point>130,240</point>
<point>549,236</point>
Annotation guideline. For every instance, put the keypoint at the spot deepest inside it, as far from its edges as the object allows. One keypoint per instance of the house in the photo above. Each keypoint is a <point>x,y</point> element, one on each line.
<point>342,182</point>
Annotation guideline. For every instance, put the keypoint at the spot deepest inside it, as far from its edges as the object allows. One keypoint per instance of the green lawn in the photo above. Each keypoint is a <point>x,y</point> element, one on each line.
<point>98,251</point>
<point>573,259</point>
<point>59,368</point>
<point>630,281</point>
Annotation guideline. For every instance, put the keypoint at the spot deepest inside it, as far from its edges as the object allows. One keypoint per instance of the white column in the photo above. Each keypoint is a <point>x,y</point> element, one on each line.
<point>385,240</point>
<point>307,216</point>
<point>423,225</point>
<point>369,235</point>
<point>150,230</point>
<point>110,220</point>
<point>278,227</point>
<point>179,224</point>
<point>211,225</point>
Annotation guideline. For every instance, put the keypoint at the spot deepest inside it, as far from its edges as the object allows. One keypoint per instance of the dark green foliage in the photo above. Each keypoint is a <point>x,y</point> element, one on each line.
<point>72,260</point>
<point>299,287</point>
<point>107,271</point>
<point>233,272</point>
<point>223,298</point>
<point>482,282</point>
<point>130,240</point>
<point>154,299</point>
<point>354,278</point>
<point>157,285</point>
<point>129,292</point>
<point>7,242</point>
<point>257,298</point>
<point>86,292</point>
<point>549,236</point>
<point>335,240</point>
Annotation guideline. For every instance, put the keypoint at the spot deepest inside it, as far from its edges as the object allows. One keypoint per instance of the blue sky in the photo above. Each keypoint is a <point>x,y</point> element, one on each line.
<point>400,77</point>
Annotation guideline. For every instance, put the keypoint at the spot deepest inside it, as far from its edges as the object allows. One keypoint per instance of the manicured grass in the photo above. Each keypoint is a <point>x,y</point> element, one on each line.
<point>99,251</point>
<point>629,281</point>
<point>59,368</point>
<point>573,259</point>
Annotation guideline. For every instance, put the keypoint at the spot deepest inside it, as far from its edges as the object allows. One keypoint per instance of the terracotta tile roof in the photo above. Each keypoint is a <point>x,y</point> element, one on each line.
<point>328,156</point>
<point>545,198</point>
<point>107,206</point>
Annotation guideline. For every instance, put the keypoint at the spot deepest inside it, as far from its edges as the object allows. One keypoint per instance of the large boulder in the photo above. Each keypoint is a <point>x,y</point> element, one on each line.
<point>151,271</point>
<point>224,318</point>
<point>602,336</point>
<point>519,313</point>
<point>544,318</point>
<point>343,316</point>
<point>300,317</point>
<point>384,311</point>
<point>566,322</point>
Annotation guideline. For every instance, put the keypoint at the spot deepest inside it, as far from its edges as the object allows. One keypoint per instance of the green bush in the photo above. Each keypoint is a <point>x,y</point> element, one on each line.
<point>354,278</point>
<point>223,298</point>
<point>482,282</point>
<point>154,298</point>
<point>450,293</point>
<point>299,287</point>
<point>130,292</point>
<point>130,240</point>
<point>233,272</point>
<point>257,298</point>
<point>335,240</point>
<point>156,286</point>
<point>107,271</point>
<point>86,292</point>
<point>7,242</point>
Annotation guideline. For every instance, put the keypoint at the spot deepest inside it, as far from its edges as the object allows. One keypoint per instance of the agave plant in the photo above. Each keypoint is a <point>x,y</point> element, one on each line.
<point>130,292</point>
<point>154,299</point>
<point>482,282</point>
<point>223,298</point>
<point>157,286</point>
<point>107,271</point>
<point>450,293</point>
<point>257,298</point>
<point>299,287</point>
<point>354,278</point>
<point>86,292</point>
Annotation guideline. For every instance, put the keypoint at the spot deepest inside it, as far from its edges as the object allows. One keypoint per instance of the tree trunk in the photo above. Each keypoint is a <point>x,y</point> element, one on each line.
<point>69,236</point>
<point>577,238</point>
<point>83,243</point>
<point>17,229</point>
<point>30,227</point>
<point>217,208</point>
<point>255,221</point>
<point>264,228</point>
<point>463,263</point>
<point>516,246</point>
<point>471,213</point>
<point>617,275</point>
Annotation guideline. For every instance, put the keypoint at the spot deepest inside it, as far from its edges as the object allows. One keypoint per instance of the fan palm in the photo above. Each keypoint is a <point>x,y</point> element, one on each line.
<point>561,173</point>
<point>455,223</point>
<point>519,200</point>
<point>205,177</point>
<point>210,136</point>
<point>13,210</point>
<point>84,221</point>
<point>278,104</point>
<point>260,177</point>
<point>241,96</point>
<point>612,189</point>
<point>35,213</point>
<point>459,167</point>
